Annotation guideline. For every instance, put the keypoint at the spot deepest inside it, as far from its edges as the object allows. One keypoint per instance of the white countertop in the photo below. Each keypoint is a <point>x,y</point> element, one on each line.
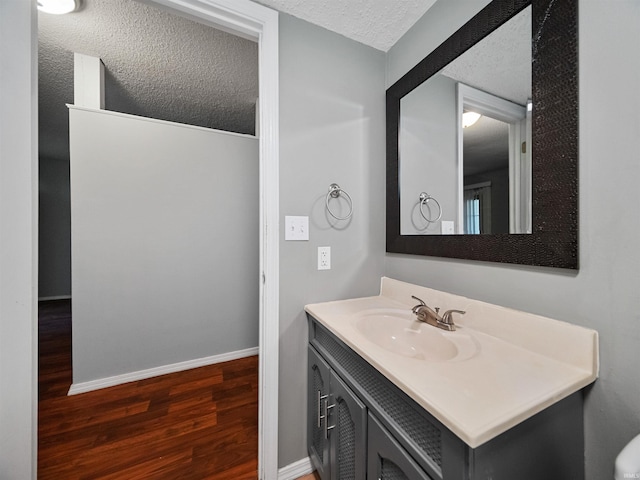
<point>524,362</point>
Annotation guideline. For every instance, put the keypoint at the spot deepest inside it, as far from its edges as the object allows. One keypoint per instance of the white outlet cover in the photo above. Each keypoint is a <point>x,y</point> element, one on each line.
<point>324,258</point>
<point>296,228</point>
<point>448,227</point>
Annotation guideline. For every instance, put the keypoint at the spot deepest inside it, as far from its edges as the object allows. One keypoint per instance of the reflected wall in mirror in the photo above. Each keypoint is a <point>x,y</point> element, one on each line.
<point>479,177</point>
<point>520,205</point>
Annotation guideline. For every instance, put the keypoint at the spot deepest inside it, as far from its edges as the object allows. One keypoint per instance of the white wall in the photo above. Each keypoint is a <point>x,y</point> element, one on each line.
<point>18,240</point>
<point>164,243</point>
<point>332,130</point>
<point>428,155</point>
<point>603,294</point>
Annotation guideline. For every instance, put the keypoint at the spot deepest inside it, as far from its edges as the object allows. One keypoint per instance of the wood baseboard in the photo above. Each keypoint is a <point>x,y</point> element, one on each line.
<point>91,385</point>
<point>296,469</point>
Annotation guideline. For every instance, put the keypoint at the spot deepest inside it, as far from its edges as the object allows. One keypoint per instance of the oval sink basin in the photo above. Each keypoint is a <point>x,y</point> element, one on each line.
<point>399,332</point>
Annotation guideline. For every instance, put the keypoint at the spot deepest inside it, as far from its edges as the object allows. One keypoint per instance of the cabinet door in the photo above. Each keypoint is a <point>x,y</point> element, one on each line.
<point>348,433</point>
<point>387,460</point>
<point>318,382</point>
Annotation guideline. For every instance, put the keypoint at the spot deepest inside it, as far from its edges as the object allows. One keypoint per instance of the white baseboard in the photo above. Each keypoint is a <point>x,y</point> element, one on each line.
<point>91,385</point>
<point>59,297</point>
<point>297,469</point>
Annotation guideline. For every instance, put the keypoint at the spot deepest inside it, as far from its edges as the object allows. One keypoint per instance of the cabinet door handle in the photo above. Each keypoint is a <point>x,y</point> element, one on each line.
<point>319,403</point>
<point>326,418</point>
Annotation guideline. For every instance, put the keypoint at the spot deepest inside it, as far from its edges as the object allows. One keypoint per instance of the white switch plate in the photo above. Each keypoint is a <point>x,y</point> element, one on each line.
<point>296,228</point>
<point>448,227</point>
<point>324,258</point>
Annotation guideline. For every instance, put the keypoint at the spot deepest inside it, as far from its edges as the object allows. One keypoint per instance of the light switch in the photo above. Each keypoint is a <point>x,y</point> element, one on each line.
<point>296,228</point>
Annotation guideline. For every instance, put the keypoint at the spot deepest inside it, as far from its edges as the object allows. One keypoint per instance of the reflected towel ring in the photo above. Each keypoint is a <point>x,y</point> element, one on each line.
<point>424,199</point>
<point>334,192</point>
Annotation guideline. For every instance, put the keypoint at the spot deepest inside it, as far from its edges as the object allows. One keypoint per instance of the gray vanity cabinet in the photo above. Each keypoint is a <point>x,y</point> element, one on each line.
<point>337,426</point>
<point>317,392</point>
<point>387,460</point>
<point>363,426</point>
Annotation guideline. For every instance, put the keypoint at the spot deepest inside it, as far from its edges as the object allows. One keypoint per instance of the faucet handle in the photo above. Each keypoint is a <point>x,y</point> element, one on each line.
<point>416,307</point>
<point>422,304</point>
<point>447,317</point>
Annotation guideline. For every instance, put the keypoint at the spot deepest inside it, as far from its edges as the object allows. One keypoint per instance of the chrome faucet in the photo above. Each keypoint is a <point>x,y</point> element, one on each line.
<point>426,314</point>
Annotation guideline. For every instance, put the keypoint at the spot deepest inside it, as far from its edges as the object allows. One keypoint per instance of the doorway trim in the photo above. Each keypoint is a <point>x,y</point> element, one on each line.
<point>253,21</point>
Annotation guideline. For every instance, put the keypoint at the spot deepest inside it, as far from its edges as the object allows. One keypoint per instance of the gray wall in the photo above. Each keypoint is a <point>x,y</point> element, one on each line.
<point>146,79</point>
<point>499,180</point>
<point>331,130</point>
<point>428,155</point>
<point>603,294</point>
<point>54,229</point>
<point>164,243</point>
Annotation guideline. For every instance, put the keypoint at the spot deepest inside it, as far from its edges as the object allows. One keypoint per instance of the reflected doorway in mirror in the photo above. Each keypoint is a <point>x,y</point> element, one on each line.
<point>492,153</point>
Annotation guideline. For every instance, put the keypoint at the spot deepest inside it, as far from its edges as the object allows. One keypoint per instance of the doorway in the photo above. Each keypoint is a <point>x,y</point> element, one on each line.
<point>494,163</point>
<point>20,145</point>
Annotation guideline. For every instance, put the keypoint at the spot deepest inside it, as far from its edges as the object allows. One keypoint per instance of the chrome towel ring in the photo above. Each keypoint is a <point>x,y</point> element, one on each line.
<point>424,199</point>
<point>335,192</point>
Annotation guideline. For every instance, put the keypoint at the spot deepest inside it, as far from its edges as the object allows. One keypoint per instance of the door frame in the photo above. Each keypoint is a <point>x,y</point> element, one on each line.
<point>253,21</point>
<point>259,23</point>
<point>19,219</point>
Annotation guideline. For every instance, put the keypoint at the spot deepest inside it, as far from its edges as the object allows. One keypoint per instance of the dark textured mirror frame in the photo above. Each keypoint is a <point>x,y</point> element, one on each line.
<point>554,238</point>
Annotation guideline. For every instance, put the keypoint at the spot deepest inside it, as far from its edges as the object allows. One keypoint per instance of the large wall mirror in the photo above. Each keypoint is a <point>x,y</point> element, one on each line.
<point>504,188</point>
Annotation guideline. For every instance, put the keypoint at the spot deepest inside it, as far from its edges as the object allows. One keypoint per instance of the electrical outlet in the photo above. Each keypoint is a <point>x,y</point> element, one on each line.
<point>324,258</point>
<point>448,227</point>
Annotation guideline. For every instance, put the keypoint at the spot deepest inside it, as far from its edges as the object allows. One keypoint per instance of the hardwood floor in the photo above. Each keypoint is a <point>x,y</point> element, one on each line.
<point>193,425</point>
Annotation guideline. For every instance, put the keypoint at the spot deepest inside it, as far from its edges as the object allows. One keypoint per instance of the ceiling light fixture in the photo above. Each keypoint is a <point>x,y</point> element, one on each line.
<point>58,7</point>
<point>469,118</point>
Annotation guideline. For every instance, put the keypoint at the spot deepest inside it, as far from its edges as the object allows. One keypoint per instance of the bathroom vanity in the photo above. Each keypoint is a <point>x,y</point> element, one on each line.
<point>393,398</point>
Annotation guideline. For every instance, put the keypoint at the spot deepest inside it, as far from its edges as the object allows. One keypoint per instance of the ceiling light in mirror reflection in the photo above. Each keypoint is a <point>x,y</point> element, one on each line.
<point>470,118</point>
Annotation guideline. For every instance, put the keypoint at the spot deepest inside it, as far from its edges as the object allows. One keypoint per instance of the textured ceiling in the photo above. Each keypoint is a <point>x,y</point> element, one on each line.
<point>486,146</point>
<point>156,65</point>
<point>163,66</point>
<point>501,63</point>
<point>377,23</point>
<point>167,67</point>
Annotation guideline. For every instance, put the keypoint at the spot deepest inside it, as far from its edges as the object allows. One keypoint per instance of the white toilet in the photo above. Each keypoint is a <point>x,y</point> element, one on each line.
<point>628,461</point>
